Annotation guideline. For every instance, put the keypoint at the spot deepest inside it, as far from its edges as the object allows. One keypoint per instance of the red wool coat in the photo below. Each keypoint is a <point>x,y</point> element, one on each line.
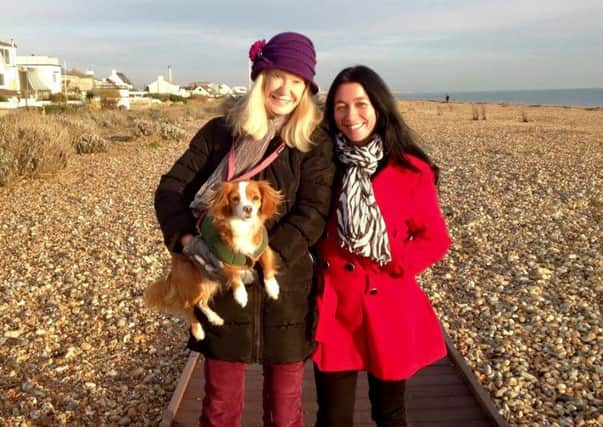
<point>377,318</point>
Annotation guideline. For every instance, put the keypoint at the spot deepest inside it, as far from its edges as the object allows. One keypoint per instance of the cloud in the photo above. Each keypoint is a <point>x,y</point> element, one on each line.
<point>482,16</point>
<point>419,43</point>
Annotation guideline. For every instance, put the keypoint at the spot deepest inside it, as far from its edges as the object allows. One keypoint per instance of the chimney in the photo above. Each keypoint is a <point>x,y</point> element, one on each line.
<point>169,73</point>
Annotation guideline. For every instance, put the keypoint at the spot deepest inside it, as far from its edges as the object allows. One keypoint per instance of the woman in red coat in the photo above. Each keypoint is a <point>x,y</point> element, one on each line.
<point>386,228</point>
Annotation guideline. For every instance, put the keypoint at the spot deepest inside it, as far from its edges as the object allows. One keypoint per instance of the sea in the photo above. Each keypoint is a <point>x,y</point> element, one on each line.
<point>561,97</point>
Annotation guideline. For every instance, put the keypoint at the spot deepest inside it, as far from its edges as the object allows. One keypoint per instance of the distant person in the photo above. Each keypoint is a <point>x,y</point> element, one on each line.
<point>385,228</point>
<point>447,98</point>
<point>279,108</point>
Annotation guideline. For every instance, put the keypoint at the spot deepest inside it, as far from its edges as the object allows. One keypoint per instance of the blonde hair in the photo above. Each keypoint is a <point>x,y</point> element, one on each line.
<point>249,117</point>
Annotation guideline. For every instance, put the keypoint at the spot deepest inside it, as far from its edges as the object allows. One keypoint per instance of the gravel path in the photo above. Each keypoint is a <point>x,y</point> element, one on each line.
<point>520,293</point>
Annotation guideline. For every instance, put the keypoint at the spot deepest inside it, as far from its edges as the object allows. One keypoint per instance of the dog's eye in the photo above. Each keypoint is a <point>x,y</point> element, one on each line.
<point>256,198</point>
<point>236,199</point>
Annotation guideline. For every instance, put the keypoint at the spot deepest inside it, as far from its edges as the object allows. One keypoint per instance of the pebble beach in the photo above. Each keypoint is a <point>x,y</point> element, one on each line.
<point>519,293</point>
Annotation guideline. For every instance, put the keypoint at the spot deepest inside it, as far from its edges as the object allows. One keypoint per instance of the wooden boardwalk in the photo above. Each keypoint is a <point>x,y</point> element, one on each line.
<point>445,394</point>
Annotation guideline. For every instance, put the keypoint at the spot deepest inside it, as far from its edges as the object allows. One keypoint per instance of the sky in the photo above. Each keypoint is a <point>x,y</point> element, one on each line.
<point>416,46</point>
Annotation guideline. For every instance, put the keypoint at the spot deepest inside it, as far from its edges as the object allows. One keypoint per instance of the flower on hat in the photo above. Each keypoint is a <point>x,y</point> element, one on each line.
<point>256,49</point>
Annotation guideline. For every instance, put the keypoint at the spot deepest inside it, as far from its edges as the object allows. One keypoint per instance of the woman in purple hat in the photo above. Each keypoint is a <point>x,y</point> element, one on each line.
<point>279,108</point>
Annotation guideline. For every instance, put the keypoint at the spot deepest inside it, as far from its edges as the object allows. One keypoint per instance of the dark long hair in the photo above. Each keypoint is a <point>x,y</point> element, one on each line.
<point>398,138</point>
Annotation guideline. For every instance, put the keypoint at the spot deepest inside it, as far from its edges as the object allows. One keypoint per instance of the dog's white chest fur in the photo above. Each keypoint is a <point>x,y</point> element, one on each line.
<point>243,233</point>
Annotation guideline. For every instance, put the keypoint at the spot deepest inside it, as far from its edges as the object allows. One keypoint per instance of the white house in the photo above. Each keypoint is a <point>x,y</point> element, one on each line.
<point>219,89</point>
<point>43,73</point>
<point>199,91</point>
<point>239,90</point>
<point>76,82</point>
<point>120,80</point>
<point>9,72</point>
<point>162,86</point>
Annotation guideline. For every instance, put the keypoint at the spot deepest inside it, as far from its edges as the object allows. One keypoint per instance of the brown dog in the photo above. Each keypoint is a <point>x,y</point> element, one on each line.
<point>235,233</point>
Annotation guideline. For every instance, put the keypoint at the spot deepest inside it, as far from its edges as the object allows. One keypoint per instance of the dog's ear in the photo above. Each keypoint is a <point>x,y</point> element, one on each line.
<point>219,205</point>
<point>271,200</point>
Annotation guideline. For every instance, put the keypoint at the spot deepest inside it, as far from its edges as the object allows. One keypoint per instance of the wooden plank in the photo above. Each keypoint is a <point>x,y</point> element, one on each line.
<point>480,393</point>
<point>423,389</point>
<point>170,412</point>
<point>451,423</point>
<point>435,380</point>
<point>451,414</point>
<point>441,395</point>
<point>455,401</point>
<point>445,361</point>
<point>438,370</point>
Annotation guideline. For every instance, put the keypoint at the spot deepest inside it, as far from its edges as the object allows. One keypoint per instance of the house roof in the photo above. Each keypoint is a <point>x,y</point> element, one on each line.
<point>40,60</point>
<point>193,85</point>
<point>75,72</point>
<point>124,79</point>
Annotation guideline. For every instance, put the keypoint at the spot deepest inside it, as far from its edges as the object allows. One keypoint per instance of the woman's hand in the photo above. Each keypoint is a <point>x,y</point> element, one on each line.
<point>195,248</point>
<point>184,240</point>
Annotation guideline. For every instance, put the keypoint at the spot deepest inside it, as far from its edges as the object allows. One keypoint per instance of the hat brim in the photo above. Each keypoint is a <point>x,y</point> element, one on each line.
<point>311,84</point>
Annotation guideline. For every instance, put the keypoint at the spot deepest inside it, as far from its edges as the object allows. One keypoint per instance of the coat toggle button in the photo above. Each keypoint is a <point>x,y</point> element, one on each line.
<point>349,266</point>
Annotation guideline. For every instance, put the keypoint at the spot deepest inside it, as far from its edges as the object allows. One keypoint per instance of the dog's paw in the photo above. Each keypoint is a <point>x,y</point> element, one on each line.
<point>197,331</point>
<point>212,316</point>
<point>240,296</point>
<point>214,319</point>
<point>272,288</point>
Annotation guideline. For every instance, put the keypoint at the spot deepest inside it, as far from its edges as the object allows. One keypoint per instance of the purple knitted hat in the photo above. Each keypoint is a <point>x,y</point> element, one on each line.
<point>292,52</point>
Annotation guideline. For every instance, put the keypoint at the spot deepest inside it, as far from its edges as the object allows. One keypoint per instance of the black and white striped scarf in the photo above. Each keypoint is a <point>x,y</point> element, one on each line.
<point>360,225</point>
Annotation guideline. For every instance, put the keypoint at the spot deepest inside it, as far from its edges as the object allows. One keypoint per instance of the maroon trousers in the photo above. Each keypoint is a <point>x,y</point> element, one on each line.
<point>225,394</point>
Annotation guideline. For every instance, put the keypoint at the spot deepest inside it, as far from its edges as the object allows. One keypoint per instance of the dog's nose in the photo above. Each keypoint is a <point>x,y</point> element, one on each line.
<point>247,209</point>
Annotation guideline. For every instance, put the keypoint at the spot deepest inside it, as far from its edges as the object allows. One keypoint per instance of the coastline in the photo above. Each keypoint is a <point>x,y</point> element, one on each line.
<point>503,104</point>
<point>582,97</point>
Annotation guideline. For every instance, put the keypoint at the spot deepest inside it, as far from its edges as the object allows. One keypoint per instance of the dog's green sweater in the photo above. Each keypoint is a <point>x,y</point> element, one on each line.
<point>216,245</point>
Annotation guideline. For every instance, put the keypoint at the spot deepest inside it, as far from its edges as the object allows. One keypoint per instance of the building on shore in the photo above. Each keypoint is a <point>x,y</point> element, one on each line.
<point>25,80</point>
<point>9,72</point>
<point>39,74</point>
<point>239,90</point>
<point>120,80</point>
<point>214,90</point>
<point>78,83</point>
<point>161,86</point>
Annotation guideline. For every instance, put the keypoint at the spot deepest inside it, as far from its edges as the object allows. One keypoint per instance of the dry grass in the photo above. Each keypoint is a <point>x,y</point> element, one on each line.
<point>35,145</point>
<point>474,112</point>
<point>31,145</point>
<point>89,143</point>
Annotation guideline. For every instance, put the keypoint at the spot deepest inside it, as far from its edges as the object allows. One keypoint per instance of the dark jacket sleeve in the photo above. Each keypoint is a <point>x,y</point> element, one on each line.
<point>305,222</point>
<point>172,197</point>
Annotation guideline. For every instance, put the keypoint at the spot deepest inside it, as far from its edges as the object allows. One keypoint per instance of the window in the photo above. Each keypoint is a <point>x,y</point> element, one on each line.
<point>1,79</point>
